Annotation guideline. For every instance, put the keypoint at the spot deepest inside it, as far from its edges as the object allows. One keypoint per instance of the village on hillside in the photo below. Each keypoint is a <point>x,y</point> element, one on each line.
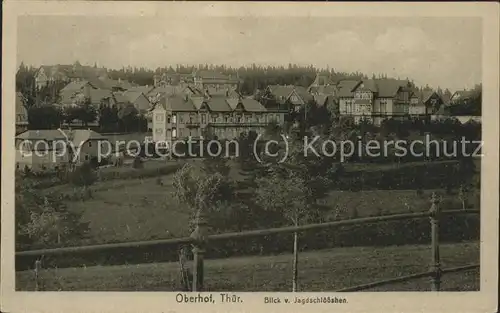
<point>276,219</point>
<point>188,105</point>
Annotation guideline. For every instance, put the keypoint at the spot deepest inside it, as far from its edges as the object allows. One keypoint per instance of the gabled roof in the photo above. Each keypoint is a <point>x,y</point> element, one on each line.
<point>283,92</point>
<point>132,96</point>
<point>144,89</point>
<point>218,104</point>
<point>177,103</point>
<point>121,98</point>
<point>388,88</point>
<point>96,95</point>
<point>346,87</point>
<point>323,79</point>
<point>425,95</point>
<point>348,83</point>
<point>165,91</point>
<point>280,91</point>
<point>384,88</point>
<point>82,135</point>
<point>76,86</point>
<point>43,134</point>
<point>252,105</point>
<point>463,94</point>
<point>323,90</point>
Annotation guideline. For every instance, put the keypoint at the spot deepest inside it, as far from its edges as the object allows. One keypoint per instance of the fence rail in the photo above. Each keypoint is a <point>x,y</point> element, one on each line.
<point>199,239</point>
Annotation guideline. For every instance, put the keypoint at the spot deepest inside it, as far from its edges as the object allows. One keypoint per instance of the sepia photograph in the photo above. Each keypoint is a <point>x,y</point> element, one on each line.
<point>214,154</point>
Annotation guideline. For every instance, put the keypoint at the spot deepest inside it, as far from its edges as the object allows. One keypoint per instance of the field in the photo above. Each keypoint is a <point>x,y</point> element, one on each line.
<point>324,270</point>
<point>140,209</point>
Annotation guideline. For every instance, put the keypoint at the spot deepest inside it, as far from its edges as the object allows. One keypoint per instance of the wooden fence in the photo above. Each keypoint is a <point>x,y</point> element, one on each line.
<point>200,239</point>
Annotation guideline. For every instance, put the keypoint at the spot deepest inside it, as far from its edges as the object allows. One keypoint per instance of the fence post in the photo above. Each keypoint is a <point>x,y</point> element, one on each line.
<point>199,236</point>
<point>38,267</point>
<point>295,267</point>
<point>436,262</point>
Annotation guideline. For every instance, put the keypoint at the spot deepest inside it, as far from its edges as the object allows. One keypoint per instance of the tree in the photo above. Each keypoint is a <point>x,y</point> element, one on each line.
<point>70,114</point>
<point>202,191</point>
<point>128,118</point>
<point>295,187</point>
<point>44,117</point>
<point>87,113</point>
<point>285,192</point>
<point>83,176</point>
<point>44,220</point>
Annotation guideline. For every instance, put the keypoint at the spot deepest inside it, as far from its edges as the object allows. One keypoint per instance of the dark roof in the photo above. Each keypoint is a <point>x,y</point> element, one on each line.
<point>82,135</point>
<point>165,91</point>
<point>384,88</point>
<point>96,95</point>
<point>252,105</point>
<point>283,92</point>
<point>323,90</point>
<point>144,89</point>
<point>425,95</point>
<point>177,103</point>
<point>44,134</point>
<point>219,104</point>
<point>388,88</point>
<point>345,88</point>
<point>76,86</point>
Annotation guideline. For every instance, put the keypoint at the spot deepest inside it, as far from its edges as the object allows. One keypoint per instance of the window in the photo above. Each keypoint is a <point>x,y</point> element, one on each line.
<point>168,120</point>
<point>181,119</point>
<point>174,119</point>
<point>203,118</point>
<point>214,118</point>
<point>86,157</point>
<point>159,117</point>
<point>90,143</point>
<point>174,133</point>
<point>159,131</point>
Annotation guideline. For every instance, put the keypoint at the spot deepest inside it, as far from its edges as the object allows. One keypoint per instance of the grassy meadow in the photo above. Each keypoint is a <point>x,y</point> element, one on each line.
<point>324,270</point>
<point>136,209</point>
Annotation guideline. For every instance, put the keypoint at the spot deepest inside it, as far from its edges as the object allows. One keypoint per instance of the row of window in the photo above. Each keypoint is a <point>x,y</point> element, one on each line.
<point>219,118</point>
<point>220,132</point>
<point>363,95</point>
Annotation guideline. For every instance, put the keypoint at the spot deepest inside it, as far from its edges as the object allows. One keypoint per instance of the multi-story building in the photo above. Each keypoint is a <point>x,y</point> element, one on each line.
<point>375,99</point>
<point>172,79</point>
<point>289,98</point>
<point>67,73</point>
<point>212,81</point>
<point>223,115</point>
<point>424,103</point>
<point>49,149</point>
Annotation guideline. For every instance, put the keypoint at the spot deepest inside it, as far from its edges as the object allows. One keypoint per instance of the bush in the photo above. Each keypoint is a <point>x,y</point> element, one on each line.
<point>83,175</point>
<point>137,163</point>
<point>140,173</point>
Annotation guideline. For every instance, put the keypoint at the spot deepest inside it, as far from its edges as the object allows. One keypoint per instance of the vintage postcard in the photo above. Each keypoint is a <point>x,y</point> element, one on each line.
<point>249,157</point>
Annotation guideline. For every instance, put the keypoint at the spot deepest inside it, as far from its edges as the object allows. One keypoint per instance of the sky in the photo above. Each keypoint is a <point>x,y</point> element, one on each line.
<point>438,51</point>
